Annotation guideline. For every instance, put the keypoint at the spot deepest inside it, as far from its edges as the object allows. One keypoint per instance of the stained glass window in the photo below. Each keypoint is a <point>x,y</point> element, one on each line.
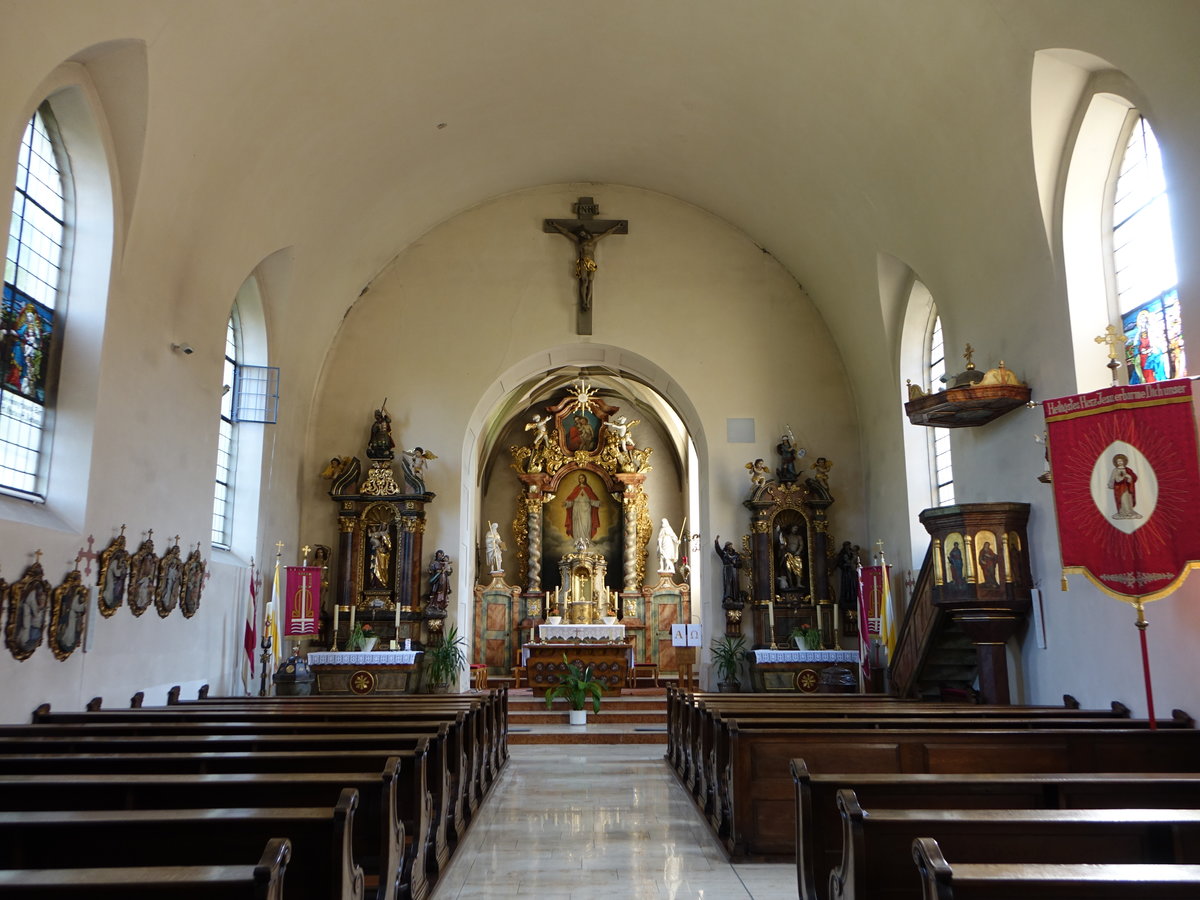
<point>31,311</point>
<point>1144,263</point>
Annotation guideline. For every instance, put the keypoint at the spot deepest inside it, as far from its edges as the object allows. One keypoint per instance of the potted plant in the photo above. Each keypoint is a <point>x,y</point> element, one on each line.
<point>576,686</point>
<point>361,638</point>
<point>445,661</point>
<point>806,637</point>
<point>728,652</point>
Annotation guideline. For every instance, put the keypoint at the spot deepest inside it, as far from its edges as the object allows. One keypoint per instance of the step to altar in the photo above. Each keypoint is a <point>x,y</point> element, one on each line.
<point>621,720</point>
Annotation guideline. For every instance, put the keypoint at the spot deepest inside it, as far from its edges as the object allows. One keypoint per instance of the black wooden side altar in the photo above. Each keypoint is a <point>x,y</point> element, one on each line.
<point>381,528</point>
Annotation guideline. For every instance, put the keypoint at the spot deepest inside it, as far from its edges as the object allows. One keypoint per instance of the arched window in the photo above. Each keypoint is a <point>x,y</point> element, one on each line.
<point>1103,186</point>
<point>1143,256</point>
<point>227,439</point>
<point>31,317</point>
<point>927,460</point>
<point>939,438</point>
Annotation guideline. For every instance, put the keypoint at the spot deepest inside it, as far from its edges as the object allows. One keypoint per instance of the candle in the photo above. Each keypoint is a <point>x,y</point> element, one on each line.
<point>333,643</point>
<point>397,618</point>
<point>353,607</point>
<point>771,616</point>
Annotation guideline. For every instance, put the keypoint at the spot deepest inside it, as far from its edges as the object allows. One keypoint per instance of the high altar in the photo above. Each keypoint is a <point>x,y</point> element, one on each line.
<point>581,526</point>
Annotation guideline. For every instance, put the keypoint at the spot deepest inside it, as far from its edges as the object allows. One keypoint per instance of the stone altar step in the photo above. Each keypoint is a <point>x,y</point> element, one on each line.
<point>621,720</point>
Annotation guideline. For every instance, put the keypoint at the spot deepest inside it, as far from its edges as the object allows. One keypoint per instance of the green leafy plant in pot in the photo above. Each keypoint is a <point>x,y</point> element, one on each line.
<point>576,686</point>
<point>728,652</point>
<point>445,661</point>
<point>807,637</point>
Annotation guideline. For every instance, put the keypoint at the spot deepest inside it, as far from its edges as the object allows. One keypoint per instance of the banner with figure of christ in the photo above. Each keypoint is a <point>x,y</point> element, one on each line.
<point>302,591</point>
<point>1127,486</point>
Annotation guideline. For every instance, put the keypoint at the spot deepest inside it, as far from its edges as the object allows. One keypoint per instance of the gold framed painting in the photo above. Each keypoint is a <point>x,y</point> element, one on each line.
<point>68,615</point>
<point>113,579</point>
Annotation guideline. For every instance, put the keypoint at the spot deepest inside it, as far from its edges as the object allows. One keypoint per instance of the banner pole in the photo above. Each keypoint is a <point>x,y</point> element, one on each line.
<point>1142,625</point>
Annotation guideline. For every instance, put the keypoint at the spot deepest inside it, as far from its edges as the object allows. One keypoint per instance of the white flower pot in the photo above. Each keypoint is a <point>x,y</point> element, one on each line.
<point>554,620</point>
<point>578,716</point>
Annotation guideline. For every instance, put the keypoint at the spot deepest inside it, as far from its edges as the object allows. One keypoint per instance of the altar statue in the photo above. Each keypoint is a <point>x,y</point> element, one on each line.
<point>495,547</point>
<point>668,548</point>
<point>380,541</point>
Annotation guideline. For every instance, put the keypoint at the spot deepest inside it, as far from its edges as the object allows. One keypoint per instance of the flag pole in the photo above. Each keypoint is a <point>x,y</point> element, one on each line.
<point>1142,625</point>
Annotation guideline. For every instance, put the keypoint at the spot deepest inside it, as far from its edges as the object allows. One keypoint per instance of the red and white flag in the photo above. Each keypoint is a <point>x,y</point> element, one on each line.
<point>1127,486</point>
<point>250,635</point>
<point>864,625</point>
<point>302,600</point>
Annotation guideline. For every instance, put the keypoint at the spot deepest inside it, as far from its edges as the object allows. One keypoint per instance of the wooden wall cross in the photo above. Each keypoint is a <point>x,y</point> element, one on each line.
<point>585,231</point>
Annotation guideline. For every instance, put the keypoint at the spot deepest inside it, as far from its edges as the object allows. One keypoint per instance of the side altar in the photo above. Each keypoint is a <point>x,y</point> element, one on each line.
<point>380,673</point>
<point>581,526</point>
<point>381,529</point>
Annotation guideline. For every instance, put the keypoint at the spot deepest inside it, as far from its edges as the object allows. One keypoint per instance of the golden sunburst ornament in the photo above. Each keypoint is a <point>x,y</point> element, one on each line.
<point>583,394</point>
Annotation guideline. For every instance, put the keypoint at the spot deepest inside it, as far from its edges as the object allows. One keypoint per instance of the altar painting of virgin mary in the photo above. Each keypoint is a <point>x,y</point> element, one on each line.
<point>582,508</point>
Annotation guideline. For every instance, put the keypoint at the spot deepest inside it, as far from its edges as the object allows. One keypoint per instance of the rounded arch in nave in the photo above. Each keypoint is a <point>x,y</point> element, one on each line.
<point>632,386</point>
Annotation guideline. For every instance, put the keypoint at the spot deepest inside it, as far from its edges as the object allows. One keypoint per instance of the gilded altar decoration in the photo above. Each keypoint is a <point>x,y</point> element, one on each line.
<point>28,602</point>
<point>113,578</point>
<point>381,481</point>
<point>68,615</point>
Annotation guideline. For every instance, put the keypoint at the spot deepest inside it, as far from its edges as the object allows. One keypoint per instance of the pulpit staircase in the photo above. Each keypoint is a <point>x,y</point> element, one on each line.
<point>934,659</point>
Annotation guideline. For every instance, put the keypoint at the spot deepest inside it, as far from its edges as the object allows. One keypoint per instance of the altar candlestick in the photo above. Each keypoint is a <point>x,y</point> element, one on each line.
<point>771,617</point>
<point>397,618</point>
<point>333,643</point>
<point>353,607</point>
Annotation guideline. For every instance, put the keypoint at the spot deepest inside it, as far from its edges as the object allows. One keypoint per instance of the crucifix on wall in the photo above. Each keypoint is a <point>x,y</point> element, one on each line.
<point>585,232</point>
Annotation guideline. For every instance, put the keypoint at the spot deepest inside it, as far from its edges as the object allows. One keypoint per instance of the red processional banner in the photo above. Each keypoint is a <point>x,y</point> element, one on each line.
<point>302,599</point>
<point>1127,486</point>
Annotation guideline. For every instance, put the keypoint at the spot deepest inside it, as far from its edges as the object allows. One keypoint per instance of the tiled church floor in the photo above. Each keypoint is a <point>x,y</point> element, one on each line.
<point>598,821</point>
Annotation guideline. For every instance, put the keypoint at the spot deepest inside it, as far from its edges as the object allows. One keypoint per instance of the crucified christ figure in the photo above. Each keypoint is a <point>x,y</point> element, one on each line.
<point>585,261</point>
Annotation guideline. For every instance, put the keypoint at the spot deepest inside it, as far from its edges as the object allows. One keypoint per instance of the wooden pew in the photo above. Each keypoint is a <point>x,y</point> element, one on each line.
<point>426,809</point>
<point>1030,881</point>
<point>818,821</point>
<point>877,847</point>
<point>495,703</point>
<point>755,804</point>
<point>414,801</point>
<point>322,864</point>
<point>711,762</point>
<point>263,881</point>
<point>379,834</point>
<point>469,775</point>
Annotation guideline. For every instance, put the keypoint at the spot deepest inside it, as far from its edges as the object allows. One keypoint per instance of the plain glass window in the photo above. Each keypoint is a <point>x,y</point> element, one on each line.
<point>222,525</point>
<point>939,438</point>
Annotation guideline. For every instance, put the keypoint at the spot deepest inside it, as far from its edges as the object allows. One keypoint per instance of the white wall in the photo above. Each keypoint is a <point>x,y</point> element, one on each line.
<point>487,290</point>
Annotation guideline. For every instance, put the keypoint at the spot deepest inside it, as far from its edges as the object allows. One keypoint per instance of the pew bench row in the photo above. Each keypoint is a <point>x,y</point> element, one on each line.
<point>416,772</point>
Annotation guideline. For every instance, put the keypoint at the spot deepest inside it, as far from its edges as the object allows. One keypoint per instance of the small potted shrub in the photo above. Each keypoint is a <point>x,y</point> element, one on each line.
<point>445,661</point>
<point>806,637</point>
<point>728,652</point>
<point>576,686</point>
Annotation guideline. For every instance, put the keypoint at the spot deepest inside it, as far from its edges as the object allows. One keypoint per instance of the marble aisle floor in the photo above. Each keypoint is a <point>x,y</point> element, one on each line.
<point>598,821</point>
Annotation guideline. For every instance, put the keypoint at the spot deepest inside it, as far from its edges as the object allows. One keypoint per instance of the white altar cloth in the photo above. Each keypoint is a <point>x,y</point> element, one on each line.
<point>580,632</point>
<point>808,656</point>
<point>374,658</point>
